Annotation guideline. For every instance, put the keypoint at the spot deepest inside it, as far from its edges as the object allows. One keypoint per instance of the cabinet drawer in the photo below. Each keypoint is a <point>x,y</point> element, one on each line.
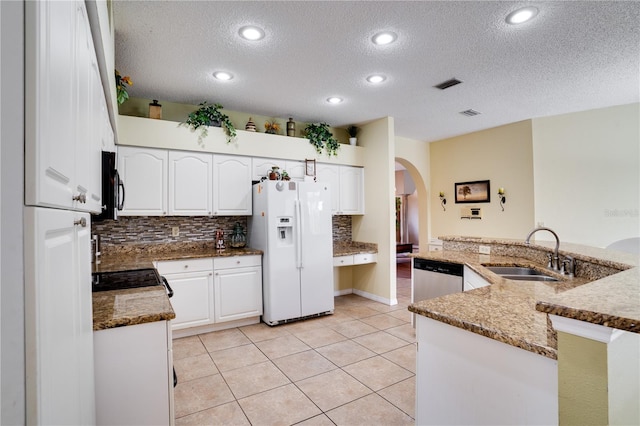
<point>365,258</point>
<point>236,262</point>
<point>343,260</point>
<point>180,266</point>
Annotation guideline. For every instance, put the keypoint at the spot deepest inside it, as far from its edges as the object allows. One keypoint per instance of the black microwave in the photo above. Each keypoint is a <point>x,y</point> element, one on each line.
<point>112,188</point>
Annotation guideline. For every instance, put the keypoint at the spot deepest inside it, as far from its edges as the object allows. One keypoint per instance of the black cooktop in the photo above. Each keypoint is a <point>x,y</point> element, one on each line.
<point>103,281</point>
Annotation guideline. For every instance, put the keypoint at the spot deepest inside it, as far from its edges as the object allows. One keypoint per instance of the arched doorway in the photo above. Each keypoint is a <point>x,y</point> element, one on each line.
<point>411,222</point>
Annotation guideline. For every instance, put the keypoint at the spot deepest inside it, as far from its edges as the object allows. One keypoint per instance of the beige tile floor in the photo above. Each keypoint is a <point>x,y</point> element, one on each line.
<point>355,367</point>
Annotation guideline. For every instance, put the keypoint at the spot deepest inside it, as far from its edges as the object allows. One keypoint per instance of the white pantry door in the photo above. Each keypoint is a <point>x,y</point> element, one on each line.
<point>59,320</point>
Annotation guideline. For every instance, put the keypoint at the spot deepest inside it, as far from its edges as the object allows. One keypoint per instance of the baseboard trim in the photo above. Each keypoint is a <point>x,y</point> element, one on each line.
<point>366,295</point>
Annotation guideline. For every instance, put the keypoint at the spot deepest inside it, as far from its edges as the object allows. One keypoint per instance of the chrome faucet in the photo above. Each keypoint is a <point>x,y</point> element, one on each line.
<point>554,261</point>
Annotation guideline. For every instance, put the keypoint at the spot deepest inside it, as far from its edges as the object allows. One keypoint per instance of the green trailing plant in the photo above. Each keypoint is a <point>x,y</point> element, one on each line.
<point>320,137</point>
<point>210,114</point>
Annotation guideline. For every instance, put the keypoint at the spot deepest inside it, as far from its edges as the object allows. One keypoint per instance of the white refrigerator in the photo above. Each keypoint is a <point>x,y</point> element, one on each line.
<point>291,224</point>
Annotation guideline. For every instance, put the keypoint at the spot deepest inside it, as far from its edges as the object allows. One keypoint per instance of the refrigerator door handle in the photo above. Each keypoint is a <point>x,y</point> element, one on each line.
<point>298,232</point>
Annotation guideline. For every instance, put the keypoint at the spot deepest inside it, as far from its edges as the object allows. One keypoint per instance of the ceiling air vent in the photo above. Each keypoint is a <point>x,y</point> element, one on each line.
<point>447,84</point>
<point>470,112</point>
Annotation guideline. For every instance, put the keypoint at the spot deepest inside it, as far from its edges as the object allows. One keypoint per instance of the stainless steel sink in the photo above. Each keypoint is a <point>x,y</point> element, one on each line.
<point>521,273</point>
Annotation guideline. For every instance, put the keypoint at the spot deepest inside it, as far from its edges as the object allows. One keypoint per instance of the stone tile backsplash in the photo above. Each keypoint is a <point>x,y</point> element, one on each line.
<point>153,229</point>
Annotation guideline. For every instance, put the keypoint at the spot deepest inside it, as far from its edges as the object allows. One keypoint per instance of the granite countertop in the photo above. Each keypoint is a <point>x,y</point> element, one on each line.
<point>515,312</point>
<point>119,308</point>
<point>346,248</point>
<point>139,256</point>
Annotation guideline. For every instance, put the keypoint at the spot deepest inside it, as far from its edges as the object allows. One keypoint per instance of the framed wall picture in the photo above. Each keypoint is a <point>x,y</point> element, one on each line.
<point>310,167</point>
<point>473,192</point>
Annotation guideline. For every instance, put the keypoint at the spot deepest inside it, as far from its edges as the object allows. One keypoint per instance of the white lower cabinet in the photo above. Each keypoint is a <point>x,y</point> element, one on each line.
<point>238,287</point>
<point>216,290</point>
<point>134,375</point>
<point>355,259</point>
<point>192,284</point>
<point>464,378</point>
<point>473,280</point>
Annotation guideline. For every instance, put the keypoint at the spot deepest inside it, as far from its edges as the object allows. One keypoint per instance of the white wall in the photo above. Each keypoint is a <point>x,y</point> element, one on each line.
<point>12,371</point>
<point>587,174</point>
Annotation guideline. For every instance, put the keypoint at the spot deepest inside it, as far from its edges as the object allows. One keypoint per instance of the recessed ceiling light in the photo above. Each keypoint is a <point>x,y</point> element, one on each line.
<point>222,75</point>
<point>384,37</point>
<point>521,15</point>
<point>334,100</point>
<point>251,33</point>
<point>376,78</point>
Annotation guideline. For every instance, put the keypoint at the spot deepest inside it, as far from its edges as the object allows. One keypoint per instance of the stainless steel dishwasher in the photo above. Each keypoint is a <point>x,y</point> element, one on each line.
<point>433,278</point>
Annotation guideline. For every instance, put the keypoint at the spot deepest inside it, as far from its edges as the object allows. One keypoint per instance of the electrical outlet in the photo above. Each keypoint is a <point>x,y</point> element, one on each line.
<point>484,249</point>
<point>175,231</point>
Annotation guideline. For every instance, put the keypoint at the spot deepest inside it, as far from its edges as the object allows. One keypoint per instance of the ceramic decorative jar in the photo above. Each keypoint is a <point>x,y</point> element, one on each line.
<point>250,126</point>
<point>238,236</point>
<point>274,173</point>
<point>291,127</point>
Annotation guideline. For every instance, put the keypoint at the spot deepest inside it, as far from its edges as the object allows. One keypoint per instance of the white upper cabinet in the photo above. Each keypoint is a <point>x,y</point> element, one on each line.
<point>62,153</point>
<point>232,185</point>
<point>190,183</point>
<point>145,175</point>
<point>330,174</point>
<point>88,123</point>
<point>260,166</point>
<point>347,187</point>
<point>351,190</point>
<point>296,169</point>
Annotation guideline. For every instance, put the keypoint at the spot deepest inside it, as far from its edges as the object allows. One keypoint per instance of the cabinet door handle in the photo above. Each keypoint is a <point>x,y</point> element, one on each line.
<point>186,266</point>
<point>82,222</point>
<point>82,198</point>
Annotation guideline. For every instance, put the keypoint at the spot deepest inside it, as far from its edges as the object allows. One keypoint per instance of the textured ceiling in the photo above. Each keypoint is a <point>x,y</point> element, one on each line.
<point>574,56</point>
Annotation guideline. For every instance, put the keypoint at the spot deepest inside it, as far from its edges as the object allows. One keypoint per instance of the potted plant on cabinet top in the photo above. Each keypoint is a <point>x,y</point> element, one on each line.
<point>210,115</point>
<point>121,88</point>
<point>320,137</point>
<point>353,132</point>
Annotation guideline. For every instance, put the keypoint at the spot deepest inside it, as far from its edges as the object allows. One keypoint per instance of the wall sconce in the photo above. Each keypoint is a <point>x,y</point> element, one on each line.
<point>501,197</point>
<point>443,200</point>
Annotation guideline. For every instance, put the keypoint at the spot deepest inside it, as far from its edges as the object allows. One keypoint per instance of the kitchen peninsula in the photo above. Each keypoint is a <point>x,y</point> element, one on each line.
<point>494,348</point>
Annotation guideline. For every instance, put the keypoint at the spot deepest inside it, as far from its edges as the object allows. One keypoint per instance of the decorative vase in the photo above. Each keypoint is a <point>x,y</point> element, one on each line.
<point>215,123</point>
<point>291,127</point>
<point>250,126</point>
<point>274,173</point>
<point>238,237</point>
<point>155,110</point>
<point>352,141</point>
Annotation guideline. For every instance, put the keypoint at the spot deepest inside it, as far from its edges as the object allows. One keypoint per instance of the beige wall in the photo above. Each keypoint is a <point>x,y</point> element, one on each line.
<point>414,156</point>
<point>587,174</point>
<point>377,224</point>
<point>582,381</point>
<point>503,155</point>
<point>138,107</point>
